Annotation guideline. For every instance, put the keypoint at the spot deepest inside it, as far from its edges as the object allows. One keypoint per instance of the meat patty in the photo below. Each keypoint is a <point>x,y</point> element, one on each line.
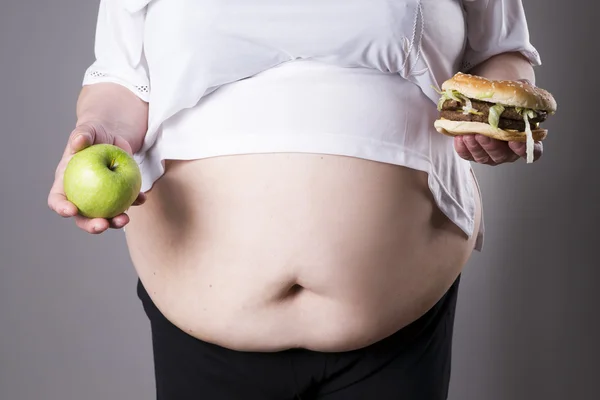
<point>510,116</point>
<point>503,123</point>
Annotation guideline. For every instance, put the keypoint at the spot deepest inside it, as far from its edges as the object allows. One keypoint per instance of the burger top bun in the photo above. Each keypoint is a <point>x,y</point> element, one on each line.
<point>508,93</point>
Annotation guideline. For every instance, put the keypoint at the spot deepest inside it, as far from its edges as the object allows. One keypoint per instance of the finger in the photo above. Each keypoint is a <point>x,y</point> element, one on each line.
<point>59,204</point>
<point>119,221</point>
<point>538,151</point>
<point>141,199</point>
<point>461,148</point>
<point>520,148</point>
<point>527,82</point>
<point>122,143</point>
<point>93,225</point>
<point>57,201</point>
<point>83,136</point>
<point>479,154</point>
<point>498,150</point>
<point>80,141</point>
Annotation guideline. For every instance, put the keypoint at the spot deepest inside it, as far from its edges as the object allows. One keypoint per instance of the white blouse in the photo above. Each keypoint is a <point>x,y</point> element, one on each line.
<point>346,77</point>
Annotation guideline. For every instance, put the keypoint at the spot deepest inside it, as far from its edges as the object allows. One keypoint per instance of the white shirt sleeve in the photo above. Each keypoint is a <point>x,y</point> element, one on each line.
<point>119,47</point>
<point>495,27</point>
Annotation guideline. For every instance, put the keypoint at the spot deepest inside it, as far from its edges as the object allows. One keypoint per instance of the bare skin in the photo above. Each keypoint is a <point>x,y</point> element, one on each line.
<point>272,251</point>
<point>106,113</point>
<point>267,252</point>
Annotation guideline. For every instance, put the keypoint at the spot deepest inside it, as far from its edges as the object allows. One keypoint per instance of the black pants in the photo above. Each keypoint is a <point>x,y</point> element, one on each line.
<point>411,364</point>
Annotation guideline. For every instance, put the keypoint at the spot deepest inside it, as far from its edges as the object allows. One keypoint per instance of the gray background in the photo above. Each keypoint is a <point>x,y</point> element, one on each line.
<point>71,327</point>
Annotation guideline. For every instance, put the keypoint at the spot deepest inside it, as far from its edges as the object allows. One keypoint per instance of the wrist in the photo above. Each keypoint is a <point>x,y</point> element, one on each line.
<point>113,110</point>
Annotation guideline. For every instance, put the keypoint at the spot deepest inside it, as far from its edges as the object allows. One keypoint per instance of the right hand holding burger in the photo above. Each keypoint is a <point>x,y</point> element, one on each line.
<point>494,121</point>
<point>88,136</point>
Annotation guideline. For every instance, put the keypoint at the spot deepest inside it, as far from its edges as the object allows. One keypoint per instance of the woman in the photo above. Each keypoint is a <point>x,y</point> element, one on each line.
<point>302,227</point>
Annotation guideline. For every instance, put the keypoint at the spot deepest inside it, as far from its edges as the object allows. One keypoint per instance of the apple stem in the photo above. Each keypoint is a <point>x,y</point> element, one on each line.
<point>112,165</point>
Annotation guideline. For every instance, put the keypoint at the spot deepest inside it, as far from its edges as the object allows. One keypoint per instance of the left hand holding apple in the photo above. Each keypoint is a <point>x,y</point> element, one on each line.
<point>102,182</point>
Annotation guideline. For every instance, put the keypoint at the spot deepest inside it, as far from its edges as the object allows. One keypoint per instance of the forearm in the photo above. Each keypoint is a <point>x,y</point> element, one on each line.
<point>506,66</point>
<point>116,109</point>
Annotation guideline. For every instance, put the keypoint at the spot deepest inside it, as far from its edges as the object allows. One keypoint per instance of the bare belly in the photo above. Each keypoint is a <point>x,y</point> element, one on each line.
<point>275,251</point>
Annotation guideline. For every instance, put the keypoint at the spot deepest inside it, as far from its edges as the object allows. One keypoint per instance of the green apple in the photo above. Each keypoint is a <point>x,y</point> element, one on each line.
<point>102,180</point>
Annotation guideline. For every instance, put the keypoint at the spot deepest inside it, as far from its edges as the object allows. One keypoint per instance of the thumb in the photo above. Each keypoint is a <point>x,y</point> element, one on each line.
<point>527,82</point>
<point>518,148</point>
<point>84,135</point>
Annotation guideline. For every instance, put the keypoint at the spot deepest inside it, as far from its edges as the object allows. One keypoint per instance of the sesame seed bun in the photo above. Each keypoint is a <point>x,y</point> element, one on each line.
<point>508,93</point>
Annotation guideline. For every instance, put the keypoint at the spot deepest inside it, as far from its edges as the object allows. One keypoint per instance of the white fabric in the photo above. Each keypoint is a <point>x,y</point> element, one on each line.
<point>348,77</point>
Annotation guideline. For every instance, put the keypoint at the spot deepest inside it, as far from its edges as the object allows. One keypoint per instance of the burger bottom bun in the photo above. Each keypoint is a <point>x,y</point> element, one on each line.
<point>457,128</point>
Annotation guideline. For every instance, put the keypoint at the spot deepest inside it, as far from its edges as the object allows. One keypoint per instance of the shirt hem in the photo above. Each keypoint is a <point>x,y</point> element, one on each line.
<point>152,162</point>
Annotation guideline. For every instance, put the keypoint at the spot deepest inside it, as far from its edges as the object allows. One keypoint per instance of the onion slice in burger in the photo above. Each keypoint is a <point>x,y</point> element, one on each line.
<point>529,135</point>
<point>468,107</point>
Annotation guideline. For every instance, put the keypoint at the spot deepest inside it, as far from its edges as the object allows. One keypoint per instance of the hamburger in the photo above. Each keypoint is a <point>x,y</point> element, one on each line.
<point>501,109</point>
